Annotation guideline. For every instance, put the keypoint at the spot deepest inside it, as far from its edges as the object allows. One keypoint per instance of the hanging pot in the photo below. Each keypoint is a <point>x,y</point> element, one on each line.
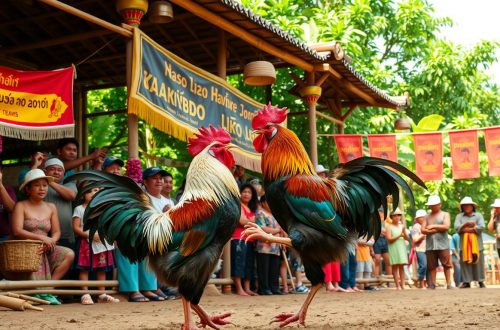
<point>259,73</point>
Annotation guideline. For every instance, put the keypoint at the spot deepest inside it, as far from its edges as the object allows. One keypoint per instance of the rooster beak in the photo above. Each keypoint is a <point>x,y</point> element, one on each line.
<point>232,146</point>
<point>258,131</point>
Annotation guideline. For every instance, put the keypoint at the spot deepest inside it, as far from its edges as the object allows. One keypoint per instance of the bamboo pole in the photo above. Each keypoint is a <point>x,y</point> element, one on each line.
<point>311,116</point>
<point>86,16</point>
<point>29,298</point>
<point>243,34</point>
<point>7,285</point>
<point>17,304</point>
<point>63,292</point>
<point>334,120</point>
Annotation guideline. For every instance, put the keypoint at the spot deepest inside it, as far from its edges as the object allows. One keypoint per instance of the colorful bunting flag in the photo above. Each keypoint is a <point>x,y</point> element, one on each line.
<point>429,156</point>
<point>383,146</point>
<point>492,142</point>
<point>349,146</point>
<point>464,148</point>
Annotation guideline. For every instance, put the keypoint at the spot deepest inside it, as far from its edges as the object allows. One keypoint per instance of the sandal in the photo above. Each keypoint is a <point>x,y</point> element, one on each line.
<point>160,293</point>
<point>86,299</point>
<point>138,298</point>
<point>104,298</point>
<point>155,297</point>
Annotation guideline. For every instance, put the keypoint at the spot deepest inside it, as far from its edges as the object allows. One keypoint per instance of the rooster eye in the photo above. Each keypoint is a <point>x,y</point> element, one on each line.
<point>211,152</point>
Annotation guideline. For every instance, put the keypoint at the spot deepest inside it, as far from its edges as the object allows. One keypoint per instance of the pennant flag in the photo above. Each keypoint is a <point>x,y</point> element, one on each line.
<point>36,105</point>
<point>429,156</point>
<point>464,148</point>
<point>349,146</point>
<point>492,142</point>
<point>383,146</point>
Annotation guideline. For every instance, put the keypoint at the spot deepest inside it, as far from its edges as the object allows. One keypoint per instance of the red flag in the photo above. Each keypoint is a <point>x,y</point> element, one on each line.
<point>383,146</point>
<point>349,146</point>
<point>464,148</point>
<point>492,141</point>
<point>36,105</point>
<point>429,156</point>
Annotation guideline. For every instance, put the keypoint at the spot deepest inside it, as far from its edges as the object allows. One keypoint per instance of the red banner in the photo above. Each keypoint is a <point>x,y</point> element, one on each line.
<point>429,156</point>
<point>383,146</point>
<point>464,148</point>
<point>349,146</point>
<point>36,105</point>
<point>492,142</point>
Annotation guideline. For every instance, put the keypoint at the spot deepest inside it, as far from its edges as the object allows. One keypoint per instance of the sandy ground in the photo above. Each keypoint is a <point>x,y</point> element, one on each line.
<point>411,309</point>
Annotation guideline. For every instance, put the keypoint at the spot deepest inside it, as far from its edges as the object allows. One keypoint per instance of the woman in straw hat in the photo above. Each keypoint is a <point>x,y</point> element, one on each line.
<point>35,219</point>
<point>494,223</point>
<point>396,236</point>
<point>470,225</point>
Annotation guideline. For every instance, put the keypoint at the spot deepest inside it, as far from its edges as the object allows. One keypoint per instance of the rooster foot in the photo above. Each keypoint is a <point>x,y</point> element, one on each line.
<point>190,326</point>
<point>214,321</point>
<point>285,319</point>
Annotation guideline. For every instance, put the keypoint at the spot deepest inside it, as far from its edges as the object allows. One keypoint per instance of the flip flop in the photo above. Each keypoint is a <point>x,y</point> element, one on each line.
<point>138,298</point>
<point>155,297</point>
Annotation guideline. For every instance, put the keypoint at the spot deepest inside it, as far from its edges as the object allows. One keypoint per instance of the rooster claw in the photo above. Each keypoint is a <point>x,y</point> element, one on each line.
<point>216,320</point>
<point>286,318</point>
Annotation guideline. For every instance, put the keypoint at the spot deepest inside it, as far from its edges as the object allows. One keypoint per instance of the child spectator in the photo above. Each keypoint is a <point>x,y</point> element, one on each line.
<point>332,277</point>
<point>494,223</point>
<point>36,219</point>
<point>396,236</point>
<point>112,165</point>
<point>455,258</point>
<point>364,261</point>
<point>242,253</point>
<point>99,257</point>
<point>381,250</point>
<point>419,242</point>
<point>268,254</point>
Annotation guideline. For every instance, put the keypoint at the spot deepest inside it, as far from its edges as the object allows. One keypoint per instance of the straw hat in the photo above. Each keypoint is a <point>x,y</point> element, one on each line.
<point>467,201</point>
<point>320,169</point>
<point>397,211</point>
<point>34,175</point>
<point>420,213</point>
<point>497,203</point>
<point>433,200</point>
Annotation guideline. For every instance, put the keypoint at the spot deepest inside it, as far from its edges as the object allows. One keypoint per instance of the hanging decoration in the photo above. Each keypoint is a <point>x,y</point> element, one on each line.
<point>349,146</point>
<point>429,156</point>
<point>383,146</point>
<point>464,149</point>
<point>492,142</point>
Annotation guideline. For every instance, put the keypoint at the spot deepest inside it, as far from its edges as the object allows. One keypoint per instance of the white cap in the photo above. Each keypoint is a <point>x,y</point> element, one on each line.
<point>54,161</point>
<point>320,169</point>
<point>433,200</point>
<point>467,201</point>
<point>497,203</point>
<point>396,211</point>
<point>420,213</point>
<point>34,175</point>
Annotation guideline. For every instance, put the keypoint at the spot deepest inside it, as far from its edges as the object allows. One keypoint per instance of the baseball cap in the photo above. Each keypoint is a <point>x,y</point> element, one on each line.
<point>320,169</point>
<point>433,200</point>
<point>420,213</point>
<point>112,160</point>
<point>152,171</point>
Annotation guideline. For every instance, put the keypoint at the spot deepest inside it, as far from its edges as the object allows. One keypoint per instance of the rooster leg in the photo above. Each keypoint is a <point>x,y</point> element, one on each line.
<point>188,318</point>
<point>213,321</point>
<point>287,318</point>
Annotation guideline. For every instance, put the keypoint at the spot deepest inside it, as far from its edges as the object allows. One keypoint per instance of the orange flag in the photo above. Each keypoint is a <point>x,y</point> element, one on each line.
<point>349,146</point>
<point>464,148</point>
<point>429,156</point>
<point>383,146</point>
<point>492,141</point>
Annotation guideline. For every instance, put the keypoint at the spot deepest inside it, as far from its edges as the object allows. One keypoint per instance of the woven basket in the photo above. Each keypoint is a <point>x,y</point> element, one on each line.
<point>20,256</point>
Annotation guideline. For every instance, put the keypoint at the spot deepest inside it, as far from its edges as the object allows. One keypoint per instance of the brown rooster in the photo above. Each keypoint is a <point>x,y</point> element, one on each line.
<point>321,216</point>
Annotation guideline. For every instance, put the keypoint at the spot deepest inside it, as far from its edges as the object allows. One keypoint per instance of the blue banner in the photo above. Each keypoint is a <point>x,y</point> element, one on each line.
<point>178,98</point>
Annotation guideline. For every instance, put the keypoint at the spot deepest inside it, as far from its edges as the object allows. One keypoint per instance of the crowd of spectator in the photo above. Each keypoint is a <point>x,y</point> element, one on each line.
<point>44,208</point>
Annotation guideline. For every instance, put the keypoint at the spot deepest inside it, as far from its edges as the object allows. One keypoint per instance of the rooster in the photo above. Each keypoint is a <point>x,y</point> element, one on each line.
<point>321,216</point>
<point>183,244</point>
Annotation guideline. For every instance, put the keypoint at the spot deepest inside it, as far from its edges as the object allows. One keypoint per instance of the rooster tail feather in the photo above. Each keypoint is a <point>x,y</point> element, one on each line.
<point>121,212</point>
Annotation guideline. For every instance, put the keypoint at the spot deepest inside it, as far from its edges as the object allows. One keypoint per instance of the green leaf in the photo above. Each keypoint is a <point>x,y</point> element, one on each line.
<point>429,123</point>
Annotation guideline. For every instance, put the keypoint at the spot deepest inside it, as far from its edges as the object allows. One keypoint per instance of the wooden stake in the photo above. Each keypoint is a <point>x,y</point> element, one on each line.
<point>283,250</point>
<point>25,297</point>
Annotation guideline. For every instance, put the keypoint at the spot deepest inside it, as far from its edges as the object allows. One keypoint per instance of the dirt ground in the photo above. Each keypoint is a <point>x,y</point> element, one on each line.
<point>411,309</point>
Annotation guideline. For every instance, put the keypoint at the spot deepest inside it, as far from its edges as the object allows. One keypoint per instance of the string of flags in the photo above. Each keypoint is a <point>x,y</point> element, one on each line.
<point>428,147</point>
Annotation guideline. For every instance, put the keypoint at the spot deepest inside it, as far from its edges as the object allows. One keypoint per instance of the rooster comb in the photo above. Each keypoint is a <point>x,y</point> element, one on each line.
<point>269,115</point>
<point>205,137</point>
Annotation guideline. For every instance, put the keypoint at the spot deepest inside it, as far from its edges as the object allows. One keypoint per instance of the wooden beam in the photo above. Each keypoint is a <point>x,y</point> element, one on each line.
<point>335,73</point>
<point>322,79</point>
<point>348,113</point>
<point>242,33</point>
<point>54,42</point>
<point>86,16</point>
<point>323,67</point>
<point>333,120</point>
<point>297,80</point>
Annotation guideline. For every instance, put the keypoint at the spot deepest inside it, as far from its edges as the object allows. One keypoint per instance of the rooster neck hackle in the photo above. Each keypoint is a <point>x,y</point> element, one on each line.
<point>210,180</point>
<point>285,156</point>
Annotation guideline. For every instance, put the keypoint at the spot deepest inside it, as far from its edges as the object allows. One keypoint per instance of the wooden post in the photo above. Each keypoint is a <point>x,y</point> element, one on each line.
<point>132,120</point>
<point>85,129</point>
<point>221,72</point>
<point>311,94</point>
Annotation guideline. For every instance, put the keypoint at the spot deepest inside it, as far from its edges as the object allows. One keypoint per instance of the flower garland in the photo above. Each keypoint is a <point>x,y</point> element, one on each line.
<point>133,170</point>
